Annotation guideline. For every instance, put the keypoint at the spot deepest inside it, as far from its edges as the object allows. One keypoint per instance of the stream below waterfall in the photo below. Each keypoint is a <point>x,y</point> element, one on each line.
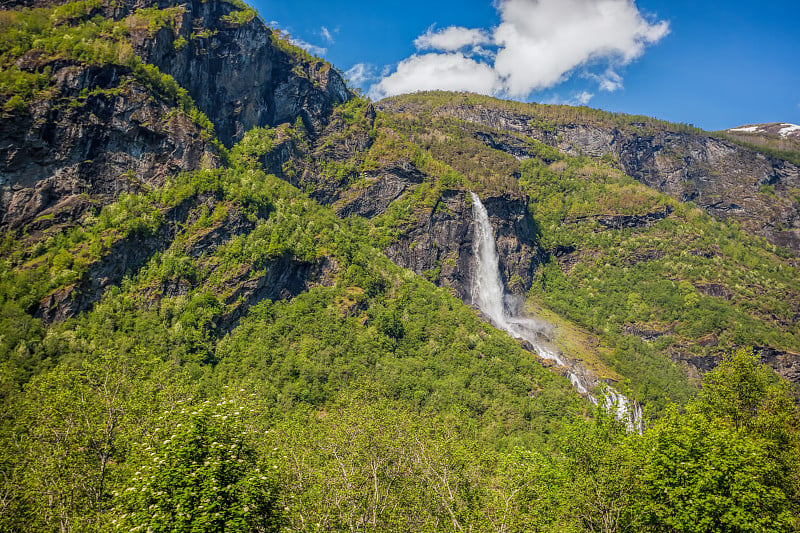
<point>488,294</point>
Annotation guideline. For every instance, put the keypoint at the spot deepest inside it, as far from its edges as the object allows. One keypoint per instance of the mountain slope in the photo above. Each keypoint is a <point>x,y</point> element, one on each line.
<point>775,129</point>
<point>612,254</point>
<point>225,278</point>
<point>730,182</point>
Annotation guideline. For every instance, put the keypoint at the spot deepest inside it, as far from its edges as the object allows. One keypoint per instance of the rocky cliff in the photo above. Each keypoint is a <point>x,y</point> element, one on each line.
<point>163,88</point>
<point>439,243</point>
<point>104,128</point>
<point>730,181</point>
<point>239,72</point>
<point>100,133</point>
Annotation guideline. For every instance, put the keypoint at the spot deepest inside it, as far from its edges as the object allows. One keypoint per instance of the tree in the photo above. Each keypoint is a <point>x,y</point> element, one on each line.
<point>701,475</point>
<point>730,462</point>
<point>368,464</point>
<point>741,390</point>
<point>603,474</point>
<point>753,399</point>
<point>205,475</point>
<point>73,428</point>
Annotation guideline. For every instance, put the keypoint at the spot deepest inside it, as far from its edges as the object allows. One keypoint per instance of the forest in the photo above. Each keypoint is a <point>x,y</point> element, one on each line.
<point>226,345</point>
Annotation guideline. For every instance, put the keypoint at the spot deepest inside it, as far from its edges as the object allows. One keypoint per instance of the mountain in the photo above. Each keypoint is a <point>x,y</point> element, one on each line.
<point>773,129</point>
<point>237,295</point>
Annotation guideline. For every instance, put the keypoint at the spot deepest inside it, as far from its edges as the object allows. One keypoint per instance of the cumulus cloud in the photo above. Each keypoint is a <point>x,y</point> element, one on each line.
<point>452,39</point>
<point>446,71</point>
<point>538,44</point>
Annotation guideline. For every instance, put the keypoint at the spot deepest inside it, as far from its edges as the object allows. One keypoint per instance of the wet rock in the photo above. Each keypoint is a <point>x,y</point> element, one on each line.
<point>439,243</point>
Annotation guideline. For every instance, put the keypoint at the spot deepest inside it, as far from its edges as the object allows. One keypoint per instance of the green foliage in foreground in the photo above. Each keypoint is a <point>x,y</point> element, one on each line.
<point>205,475</point>
<point>139,446</point>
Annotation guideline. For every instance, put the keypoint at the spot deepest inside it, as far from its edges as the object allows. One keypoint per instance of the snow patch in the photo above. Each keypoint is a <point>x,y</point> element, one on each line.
<point>787,129</point>
<point>784,129</point>
<point>749,129</point>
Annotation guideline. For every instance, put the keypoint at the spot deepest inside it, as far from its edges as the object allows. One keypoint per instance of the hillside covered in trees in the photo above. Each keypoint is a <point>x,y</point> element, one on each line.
<point>237,296</point>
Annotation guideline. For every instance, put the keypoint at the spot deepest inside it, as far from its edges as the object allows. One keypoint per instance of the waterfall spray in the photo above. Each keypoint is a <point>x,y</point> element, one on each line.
<point>488,294</point>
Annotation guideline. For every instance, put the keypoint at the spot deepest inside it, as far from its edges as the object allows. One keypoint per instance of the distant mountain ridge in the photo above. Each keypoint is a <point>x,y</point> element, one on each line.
<point>731,182</point>
<point>780,129</point>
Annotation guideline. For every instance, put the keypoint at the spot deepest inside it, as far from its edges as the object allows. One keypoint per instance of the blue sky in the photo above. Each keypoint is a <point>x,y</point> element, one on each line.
<point>712,64</point>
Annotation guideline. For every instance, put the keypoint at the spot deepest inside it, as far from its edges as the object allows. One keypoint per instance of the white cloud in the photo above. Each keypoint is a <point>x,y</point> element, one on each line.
<point>361,73</point>
<point>308,47</point>
<point>539,43</point>
<point>480,51</point>
<point>326,34</point>
<point>582,98</point>
<point>448,72</point>
<point>609,80</point>
<point>579,98</point>
<point>452,39</point>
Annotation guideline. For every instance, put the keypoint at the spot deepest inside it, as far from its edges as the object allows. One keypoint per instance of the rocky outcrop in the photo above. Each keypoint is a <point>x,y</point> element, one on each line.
<point>280,279</point>
<point>132,251</point>
<point>237,74</point>
<point>101,134</point>
<point>727,180</point>
<point>381,188</point>
<point>634,221</point>
<point>785,363</point>
<point>439,243</point>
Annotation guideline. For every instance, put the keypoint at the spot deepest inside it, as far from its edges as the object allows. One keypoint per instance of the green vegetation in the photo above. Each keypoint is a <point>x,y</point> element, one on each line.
<point>222,353</point>
<point>774,146</point>
<point>283,42</point>
<point>542,116</point>
<point>624,258</point>
<point>241,17</point>
<point>69,33</point>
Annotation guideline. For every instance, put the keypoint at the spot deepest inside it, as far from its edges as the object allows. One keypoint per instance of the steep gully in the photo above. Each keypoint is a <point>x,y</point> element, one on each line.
<point>488,294</point>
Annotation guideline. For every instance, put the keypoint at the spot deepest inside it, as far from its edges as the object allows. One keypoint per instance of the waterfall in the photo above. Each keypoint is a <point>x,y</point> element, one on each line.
<point>488,294</point>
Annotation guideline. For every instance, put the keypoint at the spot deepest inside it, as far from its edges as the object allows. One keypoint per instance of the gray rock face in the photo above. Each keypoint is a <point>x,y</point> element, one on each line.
<point>237,76</point>
<point>68,153</point>
<point>382,188</point>
<point>284,277</point>
<point>727,180</point>
<point>787,364</point>
<point>71,152</point>
<point>439,245</point>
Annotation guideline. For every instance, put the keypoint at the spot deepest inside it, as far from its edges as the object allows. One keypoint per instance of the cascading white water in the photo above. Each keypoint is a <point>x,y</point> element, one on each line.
<point>487,286</point>
<point>488,293</point>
